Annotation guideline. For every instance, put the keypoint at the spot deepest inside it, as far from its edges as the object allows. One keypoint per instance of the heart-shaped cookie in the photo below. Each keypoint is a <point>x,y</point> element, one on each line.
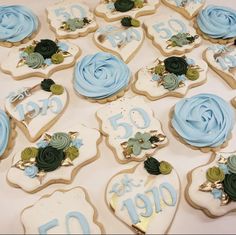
<point>35,60</point>
<point>172,34</point>
<point>188,9</point>
<point>145,197</point>
<point>56,158</point>
<point>36,108</point>
<point>118,40</point>
<point>222,60</point>
<point>211,187</point>
<point>63,212</point>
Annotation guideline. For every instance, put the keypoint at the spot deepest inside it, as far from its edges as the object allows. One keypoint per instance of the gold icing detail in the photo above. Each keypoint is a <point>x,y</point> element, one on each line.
<point>224,199</point>
<point>20,63</point>
<point>73,134</point>
<point>222,160</point>
<point>113,202</point>
<point>40,176</point>
<point>47,137</point>
<point>66,54</point>
<point>67,162</point>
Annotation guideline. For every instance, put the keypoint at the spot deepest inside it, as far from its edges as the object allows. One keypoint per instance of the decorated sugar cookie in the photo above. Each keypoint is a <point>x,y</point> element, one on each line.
<point>187,8</point>
<point>172,34</point>
<point>217,24</point>
<point>56,158</point>
<point>36,108</point>
<point>203,122</point>
<point>112,10</point>
<point>122,39</point>
<point>171,76</point>
<point>132,131</point>
<point>211,187</point>
<point>63,212</point>
<point>145,197</point>
<point>18,25</point>
<point>7,135</point>
<point>234,102</point>
<point>222,59</point>
<point>71,19</point>
<point>40,58</point>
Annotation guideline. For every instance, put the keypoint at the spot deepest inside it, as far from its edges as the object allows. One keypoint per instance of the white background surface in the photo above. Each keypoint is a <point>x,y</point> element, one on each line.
<point>95,176</point>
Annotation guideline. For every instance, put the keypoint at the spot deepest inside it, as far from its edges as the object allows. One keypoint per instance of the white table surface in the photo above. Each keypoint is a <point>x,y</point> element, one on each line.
<point>95,176</point>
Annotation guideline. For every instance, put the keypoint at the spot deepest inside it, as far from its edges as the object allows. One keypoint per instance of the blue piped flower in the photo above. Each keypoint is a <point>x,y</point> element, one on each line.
<point>111,6</point>
<point>217,194</point>
<point>181,78</point>
<point>156,77</point>
<point>23,55</point>
<point>48,61</point>
<point>77,143</point>
<point>31,171</point>
<point>42,144</point>
<point>190,61</point>
<point>63,46</point>
<point>224,168</point>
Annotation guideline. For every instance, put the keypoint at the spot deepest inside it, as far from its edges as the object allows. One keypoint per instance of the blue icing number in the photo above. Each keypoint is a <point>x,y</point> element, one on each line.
<point>128,127</point>
<point>72,12</point>
<point>43,229</point>
<point>166,32</point>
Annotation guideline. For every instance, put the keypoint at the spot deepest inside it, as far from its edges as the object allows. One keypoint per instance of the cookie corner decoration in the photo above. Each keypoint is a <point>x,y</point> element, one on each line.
<point>222,59</point>
<point>171,76</point>
<point>145,196</point>
<point>188,8</point>
<point>18,25</point>
<point>35,109</point>
<point>54,213</point>
<point>207,130</point>
<point>122,39</point>
<point>69,150</point>
<point>71,19</point>
<point>132,132</point>
<point>112,10</point>
<point>211,187</point>
<point>172,34</point>
<point>40,58</point>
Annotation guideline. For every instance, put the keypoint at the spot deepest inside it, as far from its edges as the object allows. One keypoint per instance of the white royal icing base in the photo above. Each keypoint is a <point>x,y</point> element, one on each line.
<point>9,65</point>
<point>162,43</point>
<point>149,7</point>
<point>56,206</point>
<point>146,85</point>
<point>56,21</point>
<point>123,106</point>
<point>159,223</point>
<point>124,52</point>
<point>205,200</point>
<point>87,152</point>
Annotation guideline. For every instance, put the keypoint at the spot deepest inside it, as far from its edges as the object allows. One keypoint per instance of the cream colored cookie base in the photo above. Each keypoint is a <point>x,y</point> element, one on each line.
<point>55,22</point>
<point>126,53</point>
<point>11,141</point>
<point>39,124</point>
<point>123,106</point>
<point>161,44</point>
<point>149,8</point>
<point>161,222</point>
<point>234,102</point>
<point>9,65</point>
<point>88,153</point>
<point>144,85</point>
<point>189,12</point>
<point>204,200</point>
<point>213,40</point>
<point>230,78</point>
<point>57,205</point>
<point>203,149</point>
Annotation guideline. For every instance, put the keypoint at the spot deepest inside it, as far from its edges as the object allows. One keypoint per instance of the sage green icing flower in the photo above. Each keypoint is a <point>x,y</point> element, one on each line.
<point>34,60</point>
<point>57,58</point>
<point>180,39</point>
<point>56,89</point>
<point>139,142</point>
<point>192,74</point>
<point>160,69</point>
<point>60,140</point>
<point>28,153</point>
<point>170,82</point>
<point>215,174</point>
<point>231,163</point>
<point>72,153</point>
<point>165,168</point>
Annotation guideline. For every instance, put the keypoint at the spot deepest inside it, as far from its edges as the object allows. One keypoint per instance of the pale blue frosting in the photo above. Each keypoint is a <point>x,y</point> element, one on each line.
<point>16,23</point>
<point>217,22</point>
<point>4,131</point>
<point>205,120</point>
<point>101,75</point>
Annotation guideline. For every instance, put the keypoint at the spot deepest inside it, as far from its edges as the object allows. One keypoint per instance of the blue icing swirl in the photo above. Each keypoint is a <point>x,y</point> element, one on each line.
<point>16,23</point>
<point>217,22</point>
<point>4,131</point>
<point>100,75</point>
<point>205,120</point>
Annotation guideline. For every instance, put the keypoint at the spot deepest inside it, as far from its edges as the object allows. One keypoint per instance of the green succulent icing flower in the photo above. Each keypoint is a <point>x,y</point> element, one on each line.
<point>57,58</point>
<point>192,74</point>
<point>29,49</point>
<point>72,153</point>
<point>126,21</point>
<point>181,39</point>
<point>165,168</point>
<point>170,82</point>
<point>34,60</point>
<point>160,69</point>
<point>124,5</point>
<point>215,174</point>
<point>231,163</point>
<point>138,3</point>
<point>135,23</point>
<point>152,166</point>
<point>139,142</point>
<point>46,84</point>
<point>73,24</point>
<point>56,89</point>
<point>29,153</point>
<point>60,140</point>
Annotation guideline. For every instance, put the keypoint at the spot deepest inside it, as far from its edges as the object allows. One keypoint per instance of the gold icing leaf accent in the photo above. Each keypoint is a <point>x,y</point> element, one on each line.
<point>47,137</point>
<point>224,199</point>
<point>161,137</point>
<point>101,38</point>
<point>20,63</point>
<point>113,202</point>
<point>67,162</point>
<point>66,54</point>
<point>40,176</point>
<point>73,134</point>
<point>222,160</point>
<point>34,43</point>
<point>181,84</point>
<point>20,165</point>
<point>206,187</point>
